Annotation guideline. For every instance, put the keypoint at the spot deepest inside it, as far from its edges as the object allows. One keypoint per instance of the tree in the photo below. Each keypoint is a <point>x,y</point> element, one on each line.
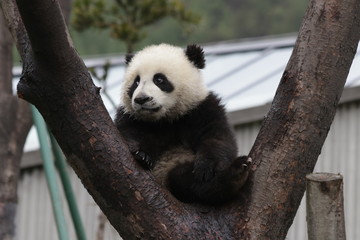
<point>127,19</point>
<point>56,81</point>
<point>15,123</point>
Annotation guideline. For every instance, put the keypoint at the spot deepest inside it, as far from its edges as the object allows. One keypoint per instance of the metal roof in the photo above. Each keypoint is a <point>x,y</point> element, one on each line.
<point>244,73</point>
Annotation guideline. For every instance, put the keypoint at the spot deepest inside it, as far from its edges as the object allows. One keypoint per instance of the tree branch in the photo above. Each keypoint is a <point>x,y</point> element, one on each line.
<point>303,109</point>
<point>16,27</point>
<point>15,123</point>
<point>5,58</point>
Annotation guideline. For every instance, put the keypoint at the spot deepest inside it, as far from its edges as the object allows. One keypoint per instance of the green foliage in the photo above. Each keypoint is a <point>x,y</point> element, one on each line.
<point>233,19</point>
<point>95,42</point>
<point>220,20</point>
<point>126,19</point>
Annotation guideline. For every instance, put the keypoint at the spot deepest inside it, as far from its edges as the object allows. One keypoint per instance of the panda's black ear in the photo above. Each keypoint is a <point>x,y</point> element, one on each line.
<point>128,58</point>
<point>195,54</point>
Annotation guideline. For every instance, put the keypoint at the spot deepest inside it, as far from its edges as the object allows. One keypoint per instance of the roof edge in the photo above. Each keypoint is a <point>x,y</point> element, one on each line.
<point>255,114</point>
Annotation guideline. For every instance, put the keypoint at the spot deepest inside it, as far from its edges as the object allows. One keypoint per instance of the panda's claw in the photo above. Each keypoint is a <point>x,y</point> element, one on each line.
<point>243,164</point>
<point>143,159</point>
<point>246,164</point>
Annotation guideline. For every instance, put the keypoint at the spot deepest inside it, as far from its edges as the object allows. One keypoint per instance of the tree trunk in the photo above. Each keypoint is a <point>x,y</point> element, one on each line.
<point>294,130</point>
<point>15,123</point>
<point>57,82</point>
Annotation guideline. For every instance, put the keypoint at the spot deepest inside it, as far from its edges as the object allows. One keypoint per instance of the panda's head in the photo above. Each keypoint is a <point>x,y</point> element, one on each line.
<point>163,82</point>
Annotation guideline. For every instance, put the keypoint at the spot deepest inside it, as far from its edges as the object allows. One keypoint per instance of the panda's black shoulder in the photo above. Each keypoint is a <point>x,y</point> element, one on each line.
<point>207,119</point>
<point>210,108</point>
<point>212,103</point>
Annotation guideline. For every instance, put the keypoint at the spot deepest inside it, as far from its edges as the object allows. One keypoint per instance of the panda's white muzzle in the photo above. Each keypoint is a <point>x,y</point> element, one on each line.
<point>142,99</point>
<point>143,102</point>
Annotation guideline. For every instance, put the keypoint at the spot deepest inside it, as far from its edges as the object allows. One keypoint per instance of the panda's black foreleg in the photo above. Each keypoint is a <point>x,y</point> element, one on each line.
<point>222,187</point>
<point>180,180</point>
<point>213,155</point>
<point>204,171</point>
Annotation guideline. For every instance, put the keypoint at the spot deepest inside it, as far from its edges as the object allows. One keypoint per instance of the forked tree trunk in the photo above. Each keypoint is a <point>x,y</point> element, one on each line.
<point>56,81</point>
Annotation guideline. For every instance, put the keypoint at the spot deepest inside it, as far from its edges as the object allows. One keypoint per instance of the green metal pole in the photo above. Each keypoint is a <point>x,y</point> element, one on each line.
<point>50,174</point>
<point>69,193</point>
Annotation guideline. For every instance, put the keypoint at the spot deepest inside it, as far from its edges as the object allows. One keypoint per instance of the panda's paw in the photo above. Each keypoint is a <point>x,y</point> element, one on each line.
<point>203,172</point>
<point>144,159</point>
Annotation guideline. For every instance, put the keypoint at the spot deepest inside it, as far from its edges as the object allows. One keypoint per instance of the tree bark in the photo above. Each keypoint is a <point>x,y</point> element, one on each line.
<point>15,123</point>
<point>15,118</point>
<point>5,57</point>
<point>57,82</point>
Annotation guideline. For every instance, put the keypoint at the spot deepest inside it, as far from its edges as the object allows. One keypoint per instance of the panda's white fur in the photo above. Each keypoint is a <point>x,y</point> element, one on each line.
<point>189,87</point>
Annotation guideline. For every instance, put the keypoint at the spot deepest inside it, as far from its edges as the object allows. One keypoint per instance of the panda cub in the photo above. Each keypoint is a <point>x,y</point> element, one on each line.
<point>176,128</point>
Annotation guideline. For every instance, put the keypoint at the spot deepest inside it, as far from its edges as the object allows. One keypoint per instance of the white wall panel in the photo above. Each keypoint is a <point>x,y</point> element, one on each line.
<point>35,219</point>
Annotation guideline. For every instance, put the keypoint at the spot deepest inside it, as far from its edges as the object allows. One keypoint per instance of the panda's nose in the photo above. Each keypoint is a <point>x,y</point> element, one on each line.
<point>142,99</point>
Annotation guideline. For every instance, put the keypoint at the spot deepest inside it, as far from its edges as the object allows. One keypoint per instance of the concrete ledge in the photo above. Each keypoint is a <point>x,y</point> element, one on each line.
<point>31,159</point>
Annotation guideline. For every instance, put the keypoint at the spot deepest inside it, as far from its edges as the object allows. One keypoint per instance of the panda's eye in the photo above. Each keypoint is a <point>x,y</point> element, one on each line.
<point>137,80</point>
<point>133,86</point>
<point>163,83</point>
<point>159,78</point>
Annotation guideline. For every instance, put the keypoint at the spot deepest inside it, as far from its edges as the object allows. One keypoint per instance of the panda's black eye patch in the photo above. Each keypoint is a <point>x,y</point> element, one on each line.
<point>132,88</point>
<point>163,83</point>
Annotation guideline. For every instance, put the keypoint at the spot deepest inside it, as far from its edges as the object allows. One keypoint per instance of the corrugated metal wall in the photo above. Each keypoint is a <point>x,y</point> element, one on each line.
<point>35,219</point>
<point>340,154</point>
